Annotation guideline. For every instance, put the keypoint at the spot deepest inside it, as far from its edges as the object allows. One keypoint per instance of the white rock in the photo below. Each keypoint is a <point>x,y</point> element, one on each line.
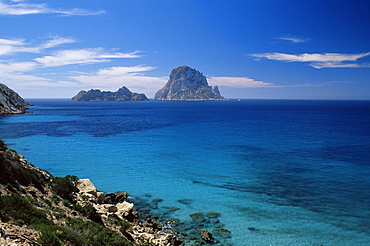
<point>124,207</point>
<point>86,186</point>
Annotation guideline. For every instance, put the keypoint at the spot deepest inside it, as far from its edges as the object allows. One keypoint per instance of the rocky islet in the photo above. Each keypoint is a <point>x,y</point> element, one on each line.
<point>188,84</point>
<point>122,94</point>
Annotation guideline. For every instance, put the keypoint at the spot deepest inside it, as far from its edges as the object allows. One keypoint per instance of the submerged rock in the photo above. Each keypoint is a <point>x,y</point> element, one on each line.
<point>207,236</point>
<point>222,233</point>
<point>185,201</point>
<point>213,215</point>
<point>188,84</point>
<point>197,217</point>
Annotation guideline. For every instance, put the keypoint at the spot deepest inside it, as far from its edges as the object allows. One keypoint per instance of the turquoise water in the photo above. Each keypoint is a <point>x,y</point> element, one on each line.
<point>280,172</point>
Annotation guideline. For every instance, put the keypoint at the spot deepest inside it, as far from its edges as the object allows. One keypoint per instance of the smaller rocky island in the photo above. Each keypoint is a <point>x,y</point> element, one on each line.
<point>188,84</point>
<point>123,94</point>
<point>11,102</point>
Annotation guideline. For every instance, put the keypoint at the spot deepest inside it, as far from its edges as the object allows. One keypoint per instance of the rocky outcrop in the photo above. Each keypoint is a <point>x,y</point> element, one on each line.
<point>140,232</point>
<point>11,102</point>
<point>123,94</point>
<point>62,206</point>
<point>188,84</point>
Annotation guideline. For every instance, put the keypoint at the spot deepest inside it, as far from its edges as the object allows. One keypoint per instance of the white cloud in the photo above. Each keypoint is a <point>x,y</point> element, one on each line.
<point>21,8</point>
<point>81,56</point>
<point>9,46</point>
<point>11,42</point>
<point>15,72</point>
<point>293,39</point>
<point>117,71</point>
<point>56,41</point>
<point>17,67</point>
<point>239,82</point>
<point>333,60</point>
<point>115,77</point>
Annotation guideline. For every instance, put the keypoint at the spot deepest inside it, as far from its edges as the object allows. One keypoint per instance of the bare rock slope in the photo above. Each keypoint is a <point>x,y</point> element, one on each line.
<point>11,102</point>
<point>188,84</point>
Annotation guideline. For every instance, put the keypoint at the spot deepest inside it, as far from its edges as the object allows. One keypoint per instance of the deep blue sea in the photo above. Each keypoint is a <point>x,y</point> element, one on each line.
<point>280,172</point>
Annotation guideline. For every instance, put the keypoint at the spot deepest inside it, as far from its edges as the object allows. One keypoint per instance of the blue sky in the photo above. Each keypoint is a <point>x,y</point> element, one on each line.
<point>289,49</point>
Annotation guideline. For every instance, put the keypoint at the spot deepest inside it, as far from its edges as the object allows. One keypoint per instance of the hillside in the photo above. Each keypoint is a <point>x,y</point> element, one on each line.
<point>11,102</point>
<point>39,209</point>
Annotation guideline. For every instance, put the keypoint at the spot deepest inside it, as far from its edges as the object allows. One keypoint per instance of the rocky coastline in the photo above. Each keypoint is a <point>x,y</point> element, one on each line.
<point>37,208</point>
<point>62,206</point>
<point>11,102</point>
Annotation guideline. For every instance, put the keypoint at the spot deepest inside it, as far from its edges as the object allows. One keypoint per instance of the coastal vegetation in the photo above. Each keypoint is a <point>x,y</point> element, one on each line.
<point>33,202</point>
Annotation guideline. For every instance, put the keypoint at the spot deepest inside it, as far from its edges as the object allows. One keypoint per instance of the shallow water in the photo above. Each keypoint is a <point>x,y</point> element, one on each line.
<point>280,172</point>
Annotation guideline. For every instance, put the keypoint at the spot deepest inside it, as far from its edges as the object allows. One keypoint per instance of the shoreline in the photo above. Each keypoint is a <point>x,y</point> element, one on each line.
<point>149,220</point>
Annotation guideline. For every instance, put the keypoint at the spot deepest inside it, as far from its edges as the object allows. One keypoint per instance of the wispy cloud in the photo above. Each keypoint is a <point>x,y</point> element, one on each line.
<point>16,72</point>
<point>239,82</point>
<point>56,41</point>
<point>316,60</point>
<point>114,77</point>
<point>81,56</point>
<point>9,46</point>
<point>22,8</point>
<point>293,39</point>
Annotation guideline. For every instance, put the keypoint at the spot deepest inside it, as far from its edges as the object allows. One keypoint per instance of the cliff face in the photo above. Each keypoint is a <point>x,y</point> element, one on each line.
<point>123,94</point>
<point>186,83</point>
<point>11,102</point>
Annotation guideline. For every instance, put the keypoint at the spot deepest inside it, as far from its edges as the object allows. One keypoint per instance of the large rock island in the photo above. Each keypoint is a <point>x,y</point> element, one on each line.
<point>11,102</point>
<point>123,94</point>
<point>188,84</point>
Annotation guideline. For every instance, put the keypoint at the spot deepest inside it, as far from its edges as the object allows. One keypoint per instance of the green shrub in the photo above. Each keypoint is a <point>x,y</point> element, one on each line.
<point>49,238</point>
<point>64,187</point>
<point>95,234</point>
<point>21,210</point>
<point>63,234</point>
<point>89,212</point>
<point>66,203</point>
<point>47,201</point>
<point>54,199</point>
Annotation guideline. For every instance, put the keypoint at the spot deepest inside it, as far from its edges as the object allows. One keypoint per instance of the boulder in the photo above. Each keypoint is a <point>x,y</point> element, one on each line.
<point>124,207</point>
<point>86,186</point>
<point>116,197</point>
<point>100,197</point>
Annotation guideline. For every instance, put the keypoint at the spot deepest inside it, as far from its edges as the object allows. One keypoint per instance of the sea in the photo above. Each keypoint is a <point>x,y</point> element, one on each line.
<point>265,172</point>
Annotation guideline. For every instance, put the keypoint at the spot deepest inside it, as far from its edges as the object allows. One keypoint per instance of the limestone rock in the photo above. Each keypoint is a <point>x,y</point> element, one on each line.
<point>11,102</point>
<point>187,84</point>
<point>124,207</point>
<point>123,94</point>
<point>86,186</point>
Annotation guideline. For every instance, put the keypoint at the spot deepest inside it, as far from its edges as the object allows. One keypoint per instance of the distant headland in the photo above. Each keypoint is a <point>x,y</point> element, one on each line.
<point>11,102</point>
<point>123,94</point>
